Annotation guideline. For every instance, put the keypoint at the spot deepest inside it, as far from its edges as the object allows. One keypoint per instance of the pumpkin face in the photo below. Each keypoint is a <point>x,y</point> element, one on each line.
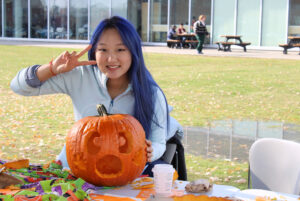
<point>107,150</point>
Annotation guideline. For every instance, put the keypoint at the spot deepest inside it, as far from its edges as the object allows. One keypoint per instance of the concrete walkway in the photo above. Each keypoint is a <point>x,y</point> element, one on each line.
<point>236,52</point>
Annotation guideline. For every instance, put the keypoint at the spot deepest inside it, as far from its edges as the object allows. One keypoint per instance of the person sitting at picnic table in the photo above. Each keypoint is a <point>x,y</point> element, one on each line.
<point>114,75</point>
<point>181,29</point>
<point>172,35</point>
<point>200,31</point>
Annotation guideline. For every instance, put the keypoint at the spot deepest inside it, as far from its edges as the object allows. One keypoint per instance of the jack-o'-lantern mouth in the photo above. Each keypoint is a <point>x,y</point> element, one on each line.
<point>109,166</point>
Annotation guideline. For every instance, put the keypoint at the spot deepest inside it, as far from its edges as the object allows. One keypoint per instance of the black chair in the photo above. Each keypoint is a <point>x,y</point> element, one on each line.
<point>174,155</point>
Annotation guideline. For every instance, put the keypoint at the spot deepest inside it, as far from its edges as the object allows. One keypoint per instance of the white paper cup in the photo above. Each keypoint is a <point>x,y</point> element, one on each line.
<point>163,179</point>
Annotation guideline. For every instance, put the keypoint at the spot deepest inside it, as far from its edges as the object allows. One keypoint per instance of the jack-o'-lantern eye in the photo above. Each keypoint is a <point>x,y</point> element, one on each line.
<point>94,142</point>
<point>125,142</point>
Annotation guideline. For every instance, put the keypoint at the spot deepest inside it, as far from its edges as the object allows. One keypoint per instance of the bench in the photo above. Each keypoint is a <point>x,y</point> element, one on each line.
<point>173,43</point>
<point>244,45</point>
<point>288,46</point>
<point>226,46</point>
<point>192,43</point>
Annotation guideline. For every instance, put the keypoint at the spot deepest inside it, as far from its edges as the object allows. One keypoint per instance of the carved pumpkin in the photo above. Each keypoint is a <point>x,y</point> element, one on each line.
<point>106,150</point>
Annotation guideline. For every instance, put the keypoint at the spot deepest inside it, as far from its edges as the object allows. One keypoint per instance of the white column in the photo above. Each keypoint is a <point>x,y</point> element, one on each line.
<point>18,20</point>
<point>48,19</point>
<point>68,19</point>
<point>29,20</point>
<point>89,19</point>
<point>235,17</point>
<point>169,8</point>
<point>2,17</point>
<point>148,21</point>
<point>260,23</point>
<point>212,21</point>
<point>287,19</point>
<point>190,15</point>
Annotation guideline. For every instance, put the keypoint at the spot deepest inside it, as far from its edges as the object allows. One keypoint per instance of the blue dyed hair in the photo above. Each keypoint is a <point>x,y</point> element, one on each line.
<point>143,85</point>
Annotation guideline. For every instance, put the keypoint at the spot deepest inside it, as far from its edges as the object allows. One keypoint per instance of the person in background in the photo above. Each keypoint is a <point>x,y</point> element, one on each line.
<point>181,29</point>
<point>200,32</point>
<point>172,34</point>
<point>114,75</point>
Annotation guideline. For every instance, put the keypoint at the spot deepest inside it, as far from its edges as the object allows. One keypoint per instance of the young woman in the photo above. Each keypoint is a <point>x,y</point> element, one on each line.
<point>200,31</point>
<point>115,75</point>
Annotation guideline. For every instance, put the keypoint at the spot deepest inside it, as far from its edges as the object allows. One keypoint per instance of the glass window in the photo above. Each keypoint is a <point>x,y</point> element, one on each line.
<point>78,19</point>
<point>200,7</point>
<point>248,15</point>
<point>274,22</point>
<point>135,15</point>
<point>58,19</point>
<point>294,18</point>
<point>99,12</point>
<point>158,20</point>
<point>144,20</point>
<point>38,18</point>
<point>16,18</point>
<point>179,12</point>
<point>119,8</point>
<point>223,22</point>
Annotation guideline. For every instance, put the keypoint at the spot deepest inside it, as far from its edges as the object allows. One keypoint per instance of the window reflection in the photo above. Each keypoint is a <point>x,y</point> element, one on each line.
<point>78,19</point>
<point>58,19</point>
<point>99,11</point>
<point>158,20</point>
<point>16,18</point>
<point>294,18</point>
<point>179,12</point>
<point>38,18</point>
<point>119,8</point>
<point>134,14</point>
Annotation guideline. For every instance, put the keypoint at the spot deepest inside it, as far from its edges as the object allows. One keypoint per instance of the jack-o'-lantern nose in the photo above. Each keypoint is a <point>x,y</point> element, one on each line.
<point>109,166</point>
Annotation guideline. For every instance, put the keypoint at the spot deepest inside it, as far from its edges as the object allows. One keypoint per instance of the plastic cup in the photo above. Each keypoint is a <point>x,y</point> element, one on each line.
<point>163,179</point>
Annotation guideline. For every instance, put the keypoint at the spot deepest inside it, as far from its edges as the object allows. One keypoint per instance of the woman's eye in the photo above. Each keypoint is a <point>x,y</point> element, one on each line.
<point>121,49</point>
<point>102,50</point>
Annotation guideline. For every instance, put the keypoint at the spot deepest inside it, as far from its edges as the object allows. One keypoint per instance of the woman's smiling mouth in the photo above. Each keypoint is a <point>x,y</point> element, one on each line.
<point>113,67</point>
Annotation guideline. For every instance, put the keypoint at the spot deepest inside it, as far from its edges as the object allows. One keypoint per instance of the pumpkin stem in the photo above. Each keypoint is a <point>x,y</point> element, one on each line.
<point>102,110</point>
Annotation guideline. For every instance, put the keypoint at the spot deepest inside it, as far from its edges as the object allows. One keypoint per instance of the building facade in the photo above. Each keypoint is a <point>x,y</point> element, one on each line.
<point>264,23</point>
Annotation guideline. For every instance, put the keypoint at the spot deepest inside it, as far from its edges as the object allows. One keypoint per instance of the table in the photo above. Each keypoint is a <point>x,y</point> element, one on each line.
<point>127,193</point>
<point>188,40</point>
<point>235,37</point>
<point>226,45</point>
<point>178,190</point>
<point>294,41</point>
<point>185,40</point>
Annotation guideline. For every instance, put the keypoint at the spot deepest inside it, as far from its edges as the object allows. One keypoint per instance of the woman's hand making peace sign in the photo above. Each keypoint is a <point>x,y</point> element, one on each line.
<point>67,61</point>
<point>63,63</point>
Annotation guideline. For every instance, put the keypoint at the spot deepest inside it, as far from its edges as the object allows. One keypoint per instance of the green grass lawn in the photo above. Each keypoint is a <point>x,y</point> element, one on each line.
<point>201,89</point>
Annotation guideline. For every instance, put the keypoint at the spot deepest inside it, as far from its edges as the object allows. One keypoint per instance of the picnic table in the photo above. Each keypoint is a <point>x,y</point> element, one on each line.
<point>226,45</point>
<point>185,40</point>
<point>294,41</point>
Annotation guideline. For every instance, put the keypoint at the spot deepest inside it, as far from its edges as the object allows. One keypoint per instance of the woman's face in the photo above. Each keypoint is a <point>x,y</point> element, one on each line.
<point>112,56</point>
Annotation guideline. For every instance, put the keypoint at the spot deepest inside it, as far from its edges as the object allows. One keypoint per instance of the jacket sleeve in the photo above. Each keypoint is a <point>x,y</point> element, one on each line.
<point>21,84</point>
<point>195,26</point>
<point>159,132</point>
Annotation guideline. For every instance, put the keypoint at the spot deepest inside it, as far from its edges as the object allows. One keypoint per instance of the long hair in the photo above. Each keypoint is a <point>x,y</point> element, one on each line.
<point>143,85</point>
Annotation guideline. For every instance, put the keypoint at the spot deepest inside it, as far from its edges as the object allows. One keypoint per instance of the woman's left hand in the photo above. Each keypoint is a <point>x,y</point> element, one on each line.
<point>149,150</point>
